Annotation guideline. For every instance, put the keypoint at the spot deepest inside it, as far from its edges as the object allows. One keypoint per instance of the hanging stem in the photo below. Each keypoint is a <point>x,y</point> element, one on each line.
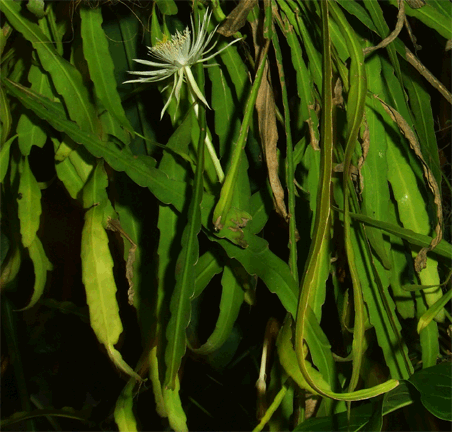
<point>208,141</point>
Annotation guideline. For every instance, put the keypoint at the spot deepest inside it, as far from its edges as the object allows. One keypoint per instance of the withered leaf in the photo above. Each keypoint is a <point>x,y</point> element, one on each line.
<point>115,225</point>
<point>237,18</point>
<point>265,107</point>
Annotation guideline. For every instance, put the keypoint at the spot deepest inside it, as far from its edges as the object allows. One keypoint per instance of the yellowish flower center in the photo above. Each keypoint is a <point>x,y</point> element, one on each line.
<point>172,47</point>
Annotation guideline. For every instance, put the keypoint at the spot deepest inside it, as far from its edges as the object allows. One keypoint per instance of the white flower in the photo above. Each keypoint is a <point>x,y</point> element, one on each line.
<point>177,55</point>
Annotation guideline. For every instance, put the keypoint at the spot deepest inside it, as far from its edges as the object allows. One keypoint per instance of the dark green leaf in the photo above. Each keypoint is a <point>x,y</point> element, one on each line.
<point>434,385</point>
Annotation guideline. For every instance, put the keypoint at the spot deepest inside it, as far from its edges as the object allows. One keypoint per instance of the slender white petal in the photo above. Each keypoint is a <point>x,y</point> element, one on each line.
<point>169,99</point>
<point>145,80</point>
<point>194,85</point>
<point>150,63</point>
<point>152,73</point>
<point>179,83</point>
<point>221,50</point>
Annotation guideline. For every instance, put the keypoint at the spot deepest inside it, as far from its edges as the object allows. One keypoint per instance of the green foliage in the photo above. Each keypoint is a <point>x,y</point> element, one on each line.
<point>181,267</point>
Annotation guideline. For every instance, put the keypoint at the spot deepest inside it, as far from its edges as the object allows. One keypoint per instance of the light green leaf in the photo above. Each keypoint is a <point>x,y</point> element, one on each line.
<point>429,336</point>
<point>124,417</point>
<point>444,7</point>
<point>433,311</point>
<point>41,265</point>
<point>289,362</point>
<point>97,269</point>
<point>101,68</point>
<point>29,203</point>
<point>381,312</point>
<point>413,214</point>
<point>403,299</point>
<point>36,7</point>
<point>375,193</point>
<point>154,376</point>
<point>75,169</point>
<point>443,249</point>
<point>30,130</point>
<point>176,415</point>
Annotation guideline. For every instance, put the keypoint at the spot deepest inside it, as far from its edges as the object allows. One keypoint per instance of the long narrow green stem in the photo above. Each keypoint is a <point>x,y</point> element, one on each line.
<point>272,408</point>
<point>323,211</point>
<point>210,147</point>
<point>355,110</point>
<point>224,203</point>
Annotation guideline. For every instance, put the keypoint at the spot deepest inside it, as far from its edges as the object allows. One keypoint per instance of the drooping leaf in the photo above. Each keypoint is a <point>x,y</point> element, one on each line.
<point>207,267</point>
<point>97,269</point>
<point>41,265</point>
<point>231,300</point>
<point>433,384</point>
<point>259,260</point>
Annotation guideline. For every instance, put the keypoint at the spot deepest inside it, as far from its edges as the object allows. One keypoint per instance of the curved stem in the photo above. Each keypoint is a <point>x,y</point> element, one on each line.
<point>208,141</point>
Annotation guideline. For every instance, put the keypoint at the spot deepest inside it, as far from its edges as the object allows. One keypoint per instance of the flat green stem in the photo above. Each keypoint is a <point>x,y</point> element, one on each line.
<point>322,216</point>
<point>355,111</point>
<point>224,204</point>
<point>321,227</point>
<point>272,408</point>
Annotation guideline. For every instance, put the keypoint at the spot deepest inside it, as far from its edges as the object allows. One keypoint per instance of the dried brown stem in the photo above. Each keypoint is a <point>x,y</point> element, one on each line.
<point>414,61</point>
<point>398,28</point>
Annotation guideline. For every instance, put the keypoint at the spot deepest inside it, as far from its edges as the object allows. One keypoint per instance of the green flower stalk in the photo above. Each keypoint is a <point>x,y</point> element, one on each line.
<point>177,55</point>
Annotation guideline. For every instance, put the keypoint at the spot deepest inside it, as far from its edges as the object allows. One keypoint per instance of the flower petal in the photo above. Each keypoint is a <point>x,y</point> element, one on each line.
<point>221,50</point>
<point>169,99</point>
<point>194,85</point>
